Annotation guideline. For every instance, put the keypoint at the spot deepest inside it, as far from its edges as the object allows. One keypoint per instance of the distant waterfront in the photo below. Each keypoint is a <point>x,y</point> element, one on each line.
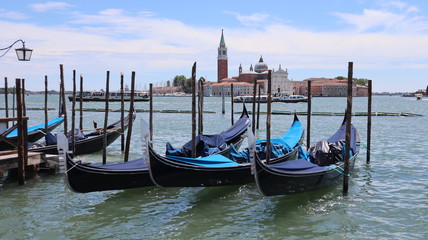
<point>181,94</point>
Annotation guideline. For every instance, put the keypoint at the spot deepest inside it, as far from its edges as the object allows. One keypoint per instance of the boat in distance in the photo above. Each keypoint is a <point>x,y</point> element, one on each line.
<point>277,98</point>
<point>116,96</point>
<point>321,168</point>
<point>249,99</point>
<point>290,98</point>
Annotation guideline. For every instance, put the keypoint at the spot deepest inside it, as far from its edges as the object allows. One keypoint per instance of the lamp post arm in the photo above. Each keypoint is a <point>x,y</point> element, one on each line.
<point>8,48</point>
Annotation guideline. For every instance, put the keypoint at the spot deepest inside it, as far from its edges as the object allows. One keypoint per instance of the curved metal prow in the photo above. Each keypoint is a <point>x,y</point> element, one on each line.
<point>295,117</point>
<point>244,111</point>
<point>344,117</point>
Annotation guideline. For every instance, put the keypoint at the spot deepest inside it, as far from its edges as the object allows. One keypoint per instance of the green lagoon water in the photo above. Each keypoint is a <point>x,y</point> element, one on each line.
<point>388,199</point>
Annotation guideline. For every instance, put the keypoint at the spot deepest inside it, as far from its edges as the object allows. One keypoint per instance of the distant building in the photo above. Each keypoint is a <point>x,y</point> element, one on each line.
<point>243,84</point>
<point>165,90</point>
<point>329,87</point>
<point>217,89</point>
<point>222,61</point>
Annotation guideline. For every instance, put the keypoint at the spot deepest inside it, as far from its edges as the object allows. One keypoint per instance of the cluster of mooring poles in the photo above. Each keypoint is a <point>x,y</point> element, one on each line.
<point>196,107</point>
<point>21,124</point>
<point>348,115</point>
<point>125,146</point>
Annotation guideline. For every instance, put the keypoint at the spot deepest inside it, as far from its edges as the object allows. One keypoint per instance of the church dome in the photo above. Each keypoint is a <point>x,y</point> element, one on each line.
<point>260,66</point>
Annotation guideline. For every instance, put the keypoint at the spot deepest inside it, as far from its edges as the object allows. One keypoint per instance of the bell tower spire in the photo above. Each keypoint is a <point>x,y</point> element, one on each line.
<point>222,63</point>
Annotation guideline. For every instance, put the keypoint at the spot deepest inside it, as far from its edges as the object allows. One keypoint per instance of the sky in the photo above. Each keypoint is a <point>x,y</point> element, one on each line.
<point>387,41</point>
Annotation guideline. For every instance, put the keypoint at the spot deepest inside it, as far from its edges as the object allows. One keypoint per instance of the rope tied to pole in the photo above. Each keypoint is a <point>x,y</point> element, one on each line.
<point>365,146</point>
<point>338,169</point>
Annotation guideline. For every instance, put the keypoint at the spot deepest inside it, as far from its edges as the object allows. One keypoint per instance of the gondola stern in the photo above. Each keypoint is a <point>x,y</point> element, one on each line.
<point>153,157</point>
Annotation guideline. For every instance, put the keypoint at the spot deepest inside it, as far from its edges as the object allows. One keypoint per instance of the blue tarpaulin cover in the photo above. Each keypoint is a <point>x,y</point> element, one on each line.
<point>210,144</point>
<point>302,165</point>
<point>14,133</point>
<point>279,146</point>
<point>216,160</point>
<point>290,139</point>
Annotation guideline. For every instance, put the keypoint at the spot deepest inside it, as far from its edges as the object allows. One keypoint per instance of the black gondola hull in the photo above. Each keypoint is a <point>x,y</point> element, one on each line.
<point>84,178</point>
<point>84,146</point>
<point>299,175</point>
<point>271,183</point>
<point>169,173</point>
<point>94,141</point>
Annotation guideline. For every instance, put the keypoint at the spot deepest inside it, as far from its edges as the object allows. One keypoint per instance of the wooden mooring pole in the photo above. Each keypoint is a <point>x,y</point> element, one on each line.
<point>13,104</point>
<point>25,123</point>
<point>258,108</point>
<point>268,117</point>
<point>223,111</point>
<point>200,107</point>
<point>348,130</point>
<point>107,92</point>
<point>46,104</point>
<point>6,107</point>
<point>232,110</point>
<point>194,110</point>
<point>151,112</point>
<point>20,123</point>
<point>122,114</point>
<point>73,115</point>
<point>63,103</point>
<point>253,123</point>
<point>369,121</point>
<point>308,119</point>
<point>201,89</point>
<point>81,103</point>
<point>131,118</point>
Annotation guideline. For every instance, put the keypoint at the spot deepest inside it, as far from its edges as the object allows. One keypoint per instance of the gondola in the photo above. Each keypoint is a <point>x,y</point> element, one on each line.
<point>323,167</point>
<point>218,170</point>
<point>85,178</point>
<point>34,134</point>
<point>90,142</point>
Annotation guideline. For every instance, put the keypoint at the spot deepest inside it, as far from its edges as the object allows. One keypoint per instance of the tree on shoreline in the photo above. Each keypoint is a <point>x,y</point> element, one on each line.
<point>359,81</point>
<point>184,83</point>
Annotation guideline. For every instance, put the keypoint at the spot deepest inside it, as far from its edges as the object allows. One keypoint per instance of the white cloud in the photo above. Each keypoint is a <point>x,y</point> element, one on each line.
<point>47,6</point>
<point>12,15</point>
<point>254,19</point>
<point>395,16</point>
<point>112,12</point>
<point>160,48</point>
<point>147,14</point>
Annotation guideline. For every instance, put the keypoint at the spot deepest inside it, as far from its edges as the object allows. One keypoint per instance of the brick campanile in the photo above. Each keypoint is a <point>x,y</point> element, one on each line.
<point>222,67</point>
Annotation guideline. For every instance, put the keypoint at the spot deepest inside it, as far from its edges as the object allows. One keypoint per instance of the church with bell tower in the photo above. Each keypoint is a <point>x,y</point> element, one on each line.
<point>222,64</point>
<point>243,83</point>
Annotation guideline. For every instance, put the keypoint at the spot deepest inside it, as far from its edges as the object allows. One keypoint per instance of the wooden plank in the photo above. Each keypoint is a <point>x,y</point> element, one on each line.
<point>10,161</point>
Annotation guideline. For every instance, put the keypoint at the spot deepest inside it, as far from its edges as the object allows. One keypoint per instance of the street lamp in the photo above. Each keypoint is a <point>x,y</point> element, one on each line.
<point>23,54</point>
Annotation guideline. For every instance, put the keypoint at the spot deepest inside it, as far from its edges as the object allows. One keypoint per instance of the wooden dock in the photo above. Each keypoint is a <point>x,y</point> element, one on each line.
<point>9,162</point>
